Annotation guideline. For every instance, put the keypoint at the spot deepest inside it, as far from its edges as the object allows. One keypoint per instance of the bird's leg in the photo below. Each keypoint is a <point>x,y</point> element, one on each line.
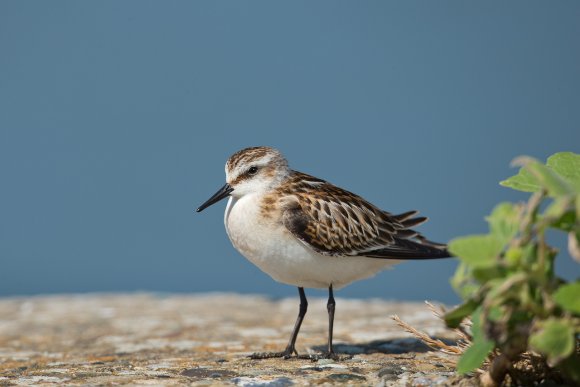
<point>329,353</point>
<point>290,348</point>
<point>330,306</point>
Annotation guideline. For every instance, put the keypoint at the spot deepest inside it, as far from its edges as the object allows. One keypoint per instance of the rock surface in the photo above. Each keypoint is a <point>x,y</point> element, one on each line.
<point>143,339</point>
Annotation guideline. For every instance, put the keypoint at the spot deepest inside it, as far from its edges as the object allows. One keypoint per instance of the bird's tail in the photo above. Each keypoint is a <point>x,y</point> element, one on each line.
<point>410,244</point>
<point>407,249</point>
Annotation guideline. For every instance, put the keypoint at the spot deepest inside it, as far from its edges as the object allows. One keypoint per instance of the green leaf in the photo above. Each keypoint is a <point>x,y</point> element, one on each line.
<point>480,348</point>
<point>474,356</point>
<point>529,254</point>
<point>523,181</point>
<point>463,282</point>
<point>568,297</point>
<point>560,176</point>
<point>555,339</point>
<point>495,313</point>
<point>548,179</point>
<point>484,274</point>
<point>477,250</point>
<point>567,222</point>
<point>454,317</point>
<point>477,325</point>
<point>504,221</point>
<point>561,210</point>
<point>513,256</point>
<point>567,165</point>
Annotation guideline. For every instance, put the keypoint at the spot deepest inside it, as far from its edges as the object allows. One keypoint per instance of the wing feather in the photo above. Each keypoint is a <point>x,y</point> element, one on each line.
<point>335,222</point>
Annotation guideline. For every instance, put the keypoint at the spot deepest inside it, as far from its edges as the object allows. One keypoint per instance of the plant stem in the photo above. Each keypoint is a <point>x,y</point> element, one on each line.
<point>497,371</point>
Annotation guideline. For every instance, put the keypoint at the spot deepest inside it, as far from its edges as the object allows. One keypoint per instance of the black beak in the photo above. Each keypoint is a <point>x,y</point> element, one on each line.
<point>222,193</point>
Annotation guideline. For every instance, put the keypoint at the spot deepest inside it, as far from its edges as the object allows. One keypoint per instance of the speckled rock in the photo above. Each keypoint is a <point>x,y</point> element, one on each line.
<point>142,339</point>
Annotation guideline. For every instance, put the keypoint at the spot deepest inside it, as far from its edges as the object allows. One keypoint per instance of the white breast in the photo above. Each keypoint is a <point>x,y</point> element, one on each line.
<point>270,246</point>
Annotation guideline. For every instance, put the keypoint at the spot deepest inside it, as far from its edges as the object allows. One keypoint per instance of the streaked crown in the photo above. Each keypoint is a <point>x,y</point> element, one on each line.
<point>256,169</point>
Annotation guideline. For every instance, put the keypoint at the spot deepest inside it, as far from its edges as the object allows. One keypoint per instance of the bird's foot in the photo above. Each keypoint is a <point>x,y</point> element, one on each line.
<point>327,355</point>
<point>286,354</point>
<point>292,354</point>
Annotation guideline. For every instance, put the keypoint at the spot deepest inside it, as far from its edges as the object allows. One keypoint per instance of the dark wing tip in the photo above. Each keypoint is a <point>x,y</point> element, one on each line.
<point>405,215</point>
<point>408,249</point>
<point>413,222</point>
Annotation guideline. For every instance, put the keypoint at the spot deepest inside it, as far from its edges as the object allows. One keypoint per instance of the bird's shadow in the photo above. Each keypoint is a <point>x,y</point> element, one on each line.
<point>395,346</point>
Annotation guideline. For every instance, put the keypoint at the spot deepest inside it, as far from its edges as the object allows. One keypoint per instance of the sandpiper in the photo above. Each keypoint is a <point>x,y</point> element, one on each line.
<point>306,232</point>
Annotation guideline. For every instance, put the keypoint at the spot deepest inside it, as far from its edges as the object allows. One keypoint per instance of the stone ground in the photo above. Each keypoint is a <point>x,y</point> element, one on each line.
<point>149,339</point>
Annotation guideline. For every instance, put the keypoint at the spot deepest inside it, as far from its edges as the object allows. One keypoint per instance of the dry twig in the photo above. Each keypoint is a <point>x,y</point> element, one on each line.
<point>462,331</point>
<point>436,344</point>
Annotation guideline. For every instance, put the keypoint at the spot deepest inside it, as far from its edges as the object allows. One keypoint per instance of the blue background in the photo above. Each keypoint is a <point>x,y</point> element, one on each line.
<point>116,119</point>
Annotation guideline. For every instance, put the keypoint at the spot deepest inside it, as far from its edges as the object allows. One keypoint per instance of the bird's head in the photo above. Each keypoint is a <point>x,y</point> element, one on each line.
<point>251,170</point>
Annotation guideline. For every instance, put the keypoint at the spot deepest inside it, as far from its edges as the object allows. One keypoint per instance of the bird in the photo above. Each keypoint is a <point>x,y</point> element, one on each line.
<point>306,232</point>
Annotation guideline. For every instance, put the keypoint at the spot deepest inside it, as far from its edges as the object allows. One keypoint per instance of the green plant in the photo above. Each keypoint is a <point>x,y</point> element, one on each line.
<point>506,277</point>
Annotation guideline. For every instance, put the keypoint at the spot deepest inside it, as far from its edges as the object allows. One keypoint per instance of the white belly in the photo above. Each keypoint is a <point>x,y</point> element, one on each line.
<point>271,247</point>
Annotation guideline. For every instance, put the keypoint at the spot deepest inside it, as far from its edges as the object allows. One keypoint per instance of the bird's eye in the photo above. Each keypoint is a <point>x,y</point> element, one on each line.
<point>252,170</point>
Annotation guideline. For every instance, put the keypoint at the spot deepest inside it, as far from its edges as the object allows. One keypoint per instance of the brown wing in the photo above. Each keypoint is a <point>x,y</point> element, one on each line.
<point>333,221</point>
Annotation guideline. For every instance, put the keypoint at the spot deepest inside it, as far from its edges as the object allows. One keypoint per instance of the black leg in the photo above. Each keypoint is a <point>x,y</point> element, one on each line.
<point>330,306</point>
<point>290,348</point>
